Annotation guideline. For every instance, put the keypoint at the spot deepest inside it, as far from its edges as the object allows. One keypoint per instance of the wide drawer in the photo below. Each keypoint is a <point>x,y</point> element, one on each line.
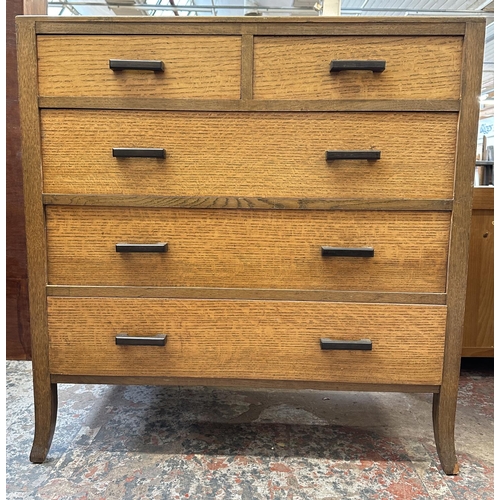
<point>250,154</point>
<point>424,67</point>
<point>253,340</point>
<point>248,249</point>
<point>195,67</point>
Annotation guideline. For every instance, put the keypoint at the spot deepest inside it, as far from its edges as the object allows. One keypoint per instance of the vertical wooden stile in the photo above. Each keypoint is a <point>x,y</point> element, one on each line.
<point>45,393</point>
<point>445,402</point>
<point>246,66</point>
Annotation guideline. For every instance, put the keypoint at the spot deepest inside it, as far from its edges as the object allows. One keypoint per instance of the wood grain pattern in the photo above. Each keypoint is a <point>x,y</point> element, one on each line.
<point>242,383</point>
<point>479,352</point>
<point>262,25</point>
<point>195,67</point>
<point>444,403</point>
<point>257,249</point>
<point>362,29</point>
<point>483,198</point>
<point>246,66</point>
<point>166,104</point>
<point>230,335</point>
<point>245,294</point>
<point>45,392</point>
<point>247,339</point>
<point>299,68</point>
<point>244,203</point>
<point>243,154</point>
<point>478,323</point>
<point>300,22</point>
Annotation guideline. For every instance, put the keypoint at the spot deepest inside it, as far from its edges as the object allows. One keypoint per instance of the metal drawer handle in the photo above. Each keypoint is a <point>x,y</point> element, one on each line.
<point>125,339</point>
<point>339,65</point>
<point>347,252</point>
<point>139,153</point>
<point>345,345</point>
<point>124,64</point>
<point>142,247</point>
<point>370,154</point>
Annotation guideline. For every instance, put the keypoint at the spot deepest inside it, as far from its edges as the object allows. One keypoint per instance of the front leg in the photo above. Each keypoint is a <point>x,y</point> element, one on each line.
<point>443,417</point>
<point>45,420</point>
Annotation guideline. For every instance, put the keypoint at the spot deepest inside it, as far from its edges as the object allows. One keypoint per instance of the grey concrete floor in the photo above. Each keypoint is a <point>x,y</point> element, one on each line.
<point>134,442</point>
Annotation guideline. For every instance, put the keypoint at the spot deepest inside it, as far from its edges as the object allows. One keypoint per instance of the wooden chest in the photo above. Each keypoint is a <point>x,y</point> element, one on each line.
<point>269,202</point>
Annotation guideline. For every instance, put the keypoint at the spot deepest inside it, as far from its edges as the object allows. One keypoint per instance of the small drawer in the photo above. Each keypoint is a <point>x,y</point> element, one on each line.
<point>250,154</point>
<point>286,249</point>
<point>191,67</point>
<point>422,67</point>
<point>253,340</point>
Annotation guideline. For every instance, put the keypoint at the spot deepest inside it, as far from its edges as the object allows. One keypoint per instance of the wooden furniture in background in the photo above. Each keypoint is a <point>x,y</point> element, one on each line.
<point>18,338</point>
<point>478,326</point>
<point>18,345</point>
<point>259,262</point>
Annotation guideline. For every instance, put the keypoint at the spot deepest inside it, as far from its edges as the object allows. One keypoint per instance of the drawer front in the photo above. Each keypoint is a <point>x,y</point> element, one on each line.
<point>195,67</point>
<point>250,154</point>
<point>248,249</point>
<point>299,67</point>
<point>247,339</point>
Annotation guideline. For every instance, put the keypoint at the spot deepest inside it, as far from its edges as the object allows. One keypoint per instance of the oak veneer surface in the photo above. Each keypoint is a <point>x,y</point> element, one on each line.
<point>250,154</point>
<point>247,339</point>
<point>244,294</point>
<point>196,67</point>
<point>259,249</point>
<point>416,67</point>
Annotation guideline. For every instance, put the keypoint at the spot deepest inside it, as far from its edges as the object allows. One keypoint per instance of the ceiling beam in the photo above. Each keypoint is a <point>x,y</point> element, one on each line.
<point>126,7</point>
<point>487,6</point>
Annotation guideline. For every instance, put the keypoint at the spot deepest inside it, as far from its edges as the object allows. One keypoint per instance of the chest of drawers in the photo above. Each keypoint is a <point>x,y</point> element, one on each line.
<point>249,202</point>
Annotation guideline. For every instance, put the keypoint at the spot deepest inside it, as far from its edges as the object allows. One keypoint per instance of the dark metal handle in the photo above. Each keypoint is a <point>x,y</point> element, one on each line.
<point>370,154</point>
<point>345,345</point>
<point>347,252</point>
<point>139,153</point>
<point>142,247</point>
<point>124,339</point>
<point>375,66</point>
<point>124,64</point>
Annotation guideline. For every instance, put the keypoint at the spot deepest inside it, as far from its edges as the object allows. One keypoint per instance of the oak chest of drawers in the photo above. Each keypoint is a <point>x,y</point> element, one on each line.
<point>249,202</point>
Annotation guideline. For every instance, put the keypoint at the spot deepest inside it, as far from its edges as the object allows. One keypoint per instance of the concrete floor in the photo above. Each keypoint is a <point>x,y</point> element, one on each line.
<point>136,442</point>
